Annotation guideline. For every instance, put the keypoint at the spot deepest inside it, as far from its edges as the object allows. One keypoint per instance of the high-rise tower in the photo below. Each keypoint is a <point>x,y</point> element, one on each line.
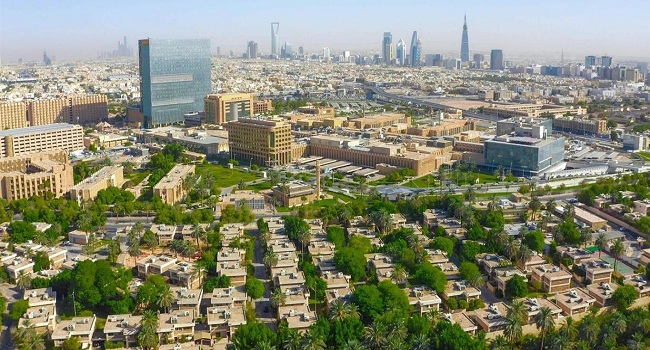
<point>401,53</point>
<point>387,48</point>
<point>275,40</point>
<point>416,49</point>
<point>464,46</point>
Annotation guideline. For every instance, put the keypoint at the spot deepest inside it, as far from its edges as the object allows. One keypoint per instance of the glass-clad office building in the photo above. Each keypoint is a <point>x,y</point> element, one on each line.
<point>174,78</point>
<point>524,155</point>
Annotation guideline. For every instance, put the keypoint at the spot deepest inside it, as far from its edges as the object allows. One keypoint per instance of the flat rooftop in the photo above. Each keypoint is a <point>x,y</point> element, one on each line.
<point>38,129</point>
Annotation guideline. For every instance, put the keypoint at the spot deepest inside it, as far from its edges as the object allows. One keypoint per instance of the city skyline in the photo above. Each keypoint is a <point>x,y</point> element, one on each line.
<point>519,25</point>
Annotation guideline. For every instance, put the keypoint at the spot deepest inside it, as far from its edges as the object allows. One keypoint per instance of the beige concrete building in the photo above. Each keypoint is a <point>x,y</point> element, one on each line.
<point>106,177</point>
<point>42,138</point>
<point>171,188</point>
<point>35,174</point>
<point>122,328</point>
<point>13,115</point>
<point>551,278</point>
<point>378,121</point>
<point>80,327</point>
<point>105,140</point>
<point>76,110</point>
<point>574,301</point>
<point>579,125</point>
<point>267,142</point>
<point>446,127</point>
<point>294,193</point>
<point>423,299</point>
<point>222,108</point>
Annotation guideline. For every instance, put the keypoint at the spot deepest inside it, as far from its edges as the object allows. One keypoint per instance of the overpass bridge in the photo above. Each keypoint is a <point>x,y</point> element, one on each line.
<point>388,97</point>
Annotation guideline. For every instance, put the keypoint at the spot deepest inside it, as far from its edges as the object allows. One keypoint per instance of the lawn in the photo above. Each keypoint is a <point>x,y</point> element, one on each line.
<point>137,176</point>
<point>261,186</point>
<point>383,181</point>
<point>423,182</point>
<point>340,196</point>
<point>644,155</point>
<point>223,176</point>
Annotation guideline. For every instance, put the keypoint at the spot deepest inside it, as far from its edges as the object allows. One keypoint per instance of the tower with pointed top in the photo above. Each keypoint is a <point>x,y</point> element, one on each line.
<point>416,49</point>
<point>464,46</point>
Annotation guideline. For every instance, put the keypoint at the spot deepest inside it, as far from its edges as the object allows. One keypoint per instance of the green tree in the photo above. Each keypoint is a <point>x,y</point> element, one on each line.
<point>601,242</point>
<point>41,262</point>
<point>71,343</point>
<point>534,240</point>
<point>431,276</point>
<point>470,272</point>
<point>336,235</point>
<point>617,251</point>
<point>369,300</point>
<point>150,240</point>
<point>165,299</point>
<point>516,287</point>
<point>624,296</point>
<point>147,336</point>
<point>248,335</point>
<point>254,288</point>
<point>445,244</point>
<point>18,308</point>
<point>351,262</point>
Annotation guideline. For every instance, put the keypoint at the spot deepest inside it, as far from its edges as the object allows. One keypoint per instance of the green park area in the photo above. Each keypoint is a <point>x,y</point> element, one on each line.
<point>225,177</point>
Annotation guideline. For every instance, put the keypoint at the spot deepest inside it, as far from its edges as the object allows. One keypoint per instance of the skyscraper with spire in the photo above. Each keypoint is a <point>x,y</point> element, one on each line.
<point>416,49</point>
<point>275,40</point>
<point>464,46</point>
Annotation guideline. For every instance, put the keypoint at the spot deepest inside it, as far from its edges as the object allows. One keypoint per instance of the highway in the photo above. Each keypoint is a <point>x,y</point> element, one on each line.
<point>418,102</point>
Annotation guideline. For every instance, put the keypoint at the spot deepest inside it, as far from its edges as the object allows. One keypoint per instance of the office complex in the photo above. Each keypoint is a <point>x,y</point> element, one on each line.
<point>580,125</point>
<point>106,177</point>
<point>603,61</point>
<point>275,40</point>
<point>174,78</point>
<point>265,142</point>
<point>525,155</point>
<point>251,50</point>
<point>171,188</point>
<point>416,49</point>
<point>35,139</point>
<point>30,175</point>
<point>400,58</point>
<point>496,60</point>
<point>387,48</point>
<point>77,110</point>
<point>478,60</point>
<point>606,61</point>
<point>464,45</point>
<point>222,108</point>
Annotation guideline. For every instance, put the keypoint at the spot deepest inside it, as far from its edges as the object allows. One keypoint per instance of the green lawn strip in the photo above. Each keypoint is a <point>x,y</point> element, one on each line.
<point>225,177</point>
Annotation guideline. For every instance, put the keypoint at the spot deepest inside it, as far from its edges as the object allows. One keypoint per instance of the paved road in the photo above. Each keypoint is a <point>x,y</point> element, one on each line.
<point>261,273</point>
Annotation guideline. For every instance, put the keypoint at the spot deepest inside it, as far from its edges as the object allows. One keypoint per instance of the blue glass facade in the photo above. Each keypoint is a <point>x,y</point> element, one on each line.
<point>175,77</point>
<point>524,158</point>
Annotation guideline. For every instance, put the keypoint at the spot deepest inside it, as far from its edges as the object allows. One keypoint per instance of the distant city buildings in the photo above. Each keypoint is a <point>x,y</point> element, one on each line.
<point>416,49</point>
<point>77,110</point>
<point>251,50</point>
<point>123,50</point>
<point>175,77</point>
<point>388,50</point>
<point>496,60</point>
<point>275,40</point>
<point>464,45</point>
<point>401,53</point>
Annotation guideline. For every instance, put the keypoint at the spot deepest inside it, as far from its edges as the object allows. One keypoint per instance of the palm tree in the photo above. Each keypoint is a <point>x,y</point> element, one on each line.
<point>26,337</point>
<point>551,205</point>
<point>561,342</point>
<point>176,246</point>
<point>165,299</point>
<point>617,251</point>
<point>397,329</point>
<point>293,340</point>
<point>312,341</point>
<point>499,343</point>
<point>524,254</point>
<point>134,250</point>
<point>198,233</point>
<point>277,298</point>
<point>395,343</point>
<point>534,205</point>
<point>513,329</point>
<point>270,259</point>
<point>188,249</point>
<point>601,242</point>
<point>470,194</point>
<point>399,274</point>
<point>618,323</point>
<point>381,220</point>
<point>544,322</point>
<point>265,345</point>
<point>23,281</point>
<point>585,235</point>
<point>569,329</point>
<point>374,336</point>
<point>147,335</point>
<point>353,344</point>
<point>420,342</point>
<point>637,342</point>
<point>518,310</point>
<point>304,236</point>
<point>197,272</point>
<point>589,329</point>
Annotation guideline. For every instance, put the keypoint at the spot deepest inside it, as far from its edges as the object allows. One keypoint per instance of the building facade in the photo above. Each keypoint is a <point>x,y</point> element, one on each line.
<point>222,108</point>
<point>496,60</point>
<point>75,110</point>
<point>266,142</point>
<point>171,188</point>
<point>13,115</point>
<point>35,175</point>
<point>524,155</point>
<point>106,177</point>
<point>175,76</point>
<point>387,48</point>
<point>41,138</point>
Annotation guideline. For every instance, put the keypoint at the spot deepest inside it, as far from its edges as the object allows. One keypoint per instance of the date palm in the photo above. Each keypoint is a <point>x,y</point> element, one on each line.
<point>544,322</point>
<point>134,250</point>
<point>601,242</point>
<point>312,340</point>
<point>293,340</point>
<point>165,299</point>
<point>513,329</point>
<point>399,274</point>
<point>637,342</point>
<point>270,259</point>
<point>23,281</point>
<point>264,345</point>
<point>618,323</point>
<point>353,344</point>
<point>569,329</point>
<point>499,343</point>
<point>277,298</point>
<point>589,329</point>
<point>198,233</point>
<point>518,310</point>
<point>617,251</point>
<point>374,336</point>
<point>420,342</point>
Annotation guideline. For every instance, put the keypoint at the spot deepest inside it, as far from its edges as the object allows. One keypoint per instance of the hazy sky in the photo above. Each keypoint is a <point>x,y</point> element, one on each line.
<point>70,29</point>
